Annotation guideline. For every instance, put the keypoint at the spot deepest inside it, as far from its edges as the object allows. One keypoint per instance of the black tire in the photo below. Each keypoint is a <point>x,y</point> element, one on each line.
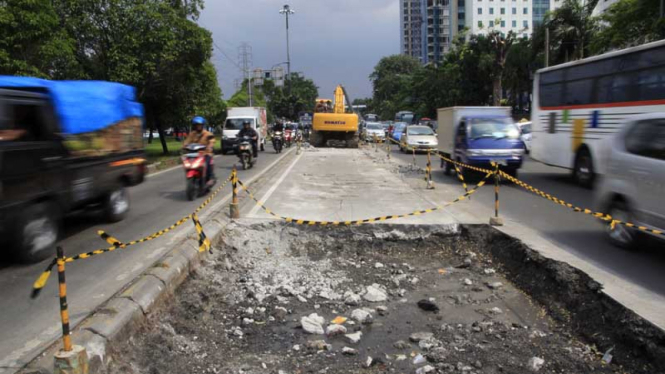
<point>245,161</point>
<point>37,232</point>
<point>191,189</point>
<point>583,171</point>
<point>263,147</point>
<point>447,167</point>
<point>623,236</point>
<point>116,204</point>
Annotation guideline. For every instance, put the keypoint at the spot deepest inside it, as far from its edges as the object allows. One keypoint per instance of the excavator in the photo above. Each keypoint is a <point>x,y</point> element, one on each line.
<point>334,123</point>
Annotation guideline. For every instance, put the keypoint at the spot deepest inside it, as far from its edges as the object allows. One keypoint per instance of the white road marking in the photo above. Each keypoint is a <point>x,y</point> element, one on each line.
<point>273,188</point>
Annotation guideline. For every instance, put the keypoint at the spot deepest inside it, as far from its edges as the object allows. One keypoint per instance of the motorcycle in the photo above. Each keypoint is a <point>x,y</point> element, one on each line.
<point>288,138</point>
<point>196,170</point>
<point>245,152</point>
<point>277,141</point>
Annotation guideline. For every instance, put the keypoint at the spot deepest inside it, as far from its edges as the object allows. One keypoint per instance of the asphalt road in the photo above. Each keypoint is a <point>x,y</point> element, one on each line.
<point>575,232</point>
<point>28,326</point>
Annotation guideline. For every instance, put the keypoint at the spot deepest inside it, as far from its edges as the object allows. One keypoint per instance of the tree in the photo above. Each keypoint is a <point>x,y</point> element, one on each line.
<point>391,81</point>
<point>517,72</point>
<point>154,46</point>
<point>33,43</point>
<point>628,23</point>
<point>499,44</point>
<point>571,29</point>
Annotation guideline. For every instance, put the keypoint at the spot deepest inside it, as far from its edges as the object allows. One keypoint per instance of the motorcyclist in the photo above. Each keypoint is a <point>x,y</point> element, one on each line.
<point>199,135</point>
<point>248,131</point>
<point>279,127</point>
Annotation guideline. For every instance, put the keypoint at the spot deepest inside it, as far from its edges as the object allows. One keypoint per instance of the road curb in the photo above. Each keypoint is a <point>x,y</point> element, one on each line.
<point>128,309</point>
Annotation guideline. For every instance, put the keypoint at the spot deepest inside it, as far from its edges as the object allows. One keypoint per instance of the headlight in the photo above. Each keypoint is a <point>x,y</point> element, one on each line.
<point>224,137</point>
<point>518,152</point>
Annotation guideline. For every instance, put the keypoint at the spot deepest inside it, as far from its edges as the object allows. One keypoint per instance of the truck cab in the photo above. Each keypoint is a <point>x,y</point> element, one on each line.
<point>479,136</point>
<point>236,117</point>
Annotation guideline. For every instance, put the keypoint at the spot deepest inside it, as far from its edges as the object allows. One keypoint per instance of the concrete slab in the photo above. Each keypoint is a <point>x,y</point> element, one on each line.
<point>112,321</point>
<point>172,271</point>
<point>328,184</point>
<point>145,292</point>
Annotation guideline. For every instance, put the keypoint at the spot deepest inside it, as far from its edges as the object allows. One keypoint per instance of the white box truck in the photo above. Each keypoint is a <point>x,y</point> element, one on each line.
<point>478,136</point>
<point>257,116</point>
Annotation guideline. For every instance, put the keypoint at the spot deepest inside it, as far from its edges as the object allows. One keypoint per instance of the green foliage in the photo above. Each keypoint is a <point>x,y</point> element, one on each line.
<point>32,43</point>
<point>628,23</point>
<point>392,82</point>
<point>153,45</point>
<point>277,99</point>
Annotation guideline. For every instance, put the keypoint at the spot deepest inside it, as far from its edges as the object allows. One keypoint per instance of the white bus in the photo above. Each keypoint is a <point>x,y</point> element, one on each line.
<point>579,105</point>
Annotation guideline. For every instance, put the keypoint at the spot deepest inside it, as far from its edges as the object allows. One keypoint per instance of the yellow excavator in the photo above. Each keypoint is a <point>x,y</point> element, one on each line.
<point>334,123</point>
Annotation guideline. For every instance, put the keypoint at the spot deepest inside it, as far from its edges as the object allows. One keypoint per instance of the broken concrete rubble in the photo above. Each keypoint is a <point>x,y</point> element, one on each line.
<point>467,338</point>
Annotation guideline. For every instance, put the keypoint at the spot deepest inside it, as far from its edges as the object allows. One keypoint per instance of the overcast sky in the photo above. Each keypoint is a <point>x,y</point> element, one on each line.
<point>332,41</point>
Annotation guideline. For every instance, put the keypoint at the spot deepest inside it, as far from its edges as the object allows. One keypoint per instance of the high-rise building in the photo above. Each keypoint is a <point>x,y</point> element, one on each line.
<point>540,8</point>
<point>501,15</point>
<point>426,29</point>
<point>439,29</point>
<point>413,28</point>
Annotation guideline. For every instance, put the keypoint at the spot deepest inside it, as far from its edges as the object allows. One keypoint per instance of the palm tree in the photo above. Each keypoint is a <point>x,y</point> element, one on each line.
<point>572,27</point>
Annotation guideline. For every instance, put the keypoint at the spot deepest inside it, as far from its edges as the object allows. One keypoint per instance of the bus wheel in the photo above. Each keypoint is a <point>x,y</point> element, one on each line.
<point>583,172</point>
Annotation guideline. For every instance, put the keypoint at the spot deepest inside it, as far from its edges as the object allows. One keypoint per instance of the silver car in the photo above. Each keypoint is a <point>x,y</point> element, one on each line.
<point>374,131</point>
<point>633,189</point>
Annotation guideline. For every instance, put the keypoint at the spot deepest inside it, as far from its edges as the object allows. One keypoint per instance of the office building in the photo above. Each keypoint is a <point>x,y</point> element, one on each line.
<point>413,28</point>
<point>501,15</point>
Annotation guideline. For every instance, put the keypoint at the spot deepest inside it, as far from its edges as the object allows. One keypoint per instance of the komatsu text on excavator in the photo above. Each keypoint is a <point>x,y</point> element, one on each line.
<point>333,122</point>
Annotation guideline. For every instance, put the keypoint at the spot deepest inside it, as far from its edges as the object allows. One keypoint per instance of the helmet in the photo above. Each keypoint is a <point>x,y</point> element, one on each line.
<point>198,120</point>
<point>246,123</point>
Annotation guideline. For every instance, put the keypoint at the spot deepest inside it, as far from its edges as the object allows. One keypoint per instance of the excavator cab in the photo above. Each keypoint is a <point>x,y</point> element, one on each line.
<point>332,122</point>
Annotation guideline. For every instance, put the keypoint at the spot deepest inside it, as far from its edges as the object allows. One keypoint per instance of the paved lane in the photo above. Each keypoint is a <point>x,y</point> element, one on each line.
<point>27,326</point>
<point>575,232</point>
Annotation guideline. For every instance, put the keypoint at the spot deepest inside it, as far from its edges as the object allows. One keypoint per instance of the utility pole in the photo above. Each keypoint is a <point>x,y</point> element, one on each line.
<point>245,60</point>
<point>287,11</point>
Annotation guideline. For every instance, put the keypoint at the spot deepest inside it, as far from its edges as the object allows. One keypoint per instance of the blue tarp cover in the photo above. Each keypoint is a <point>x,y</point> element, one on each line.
<point>84,106</point>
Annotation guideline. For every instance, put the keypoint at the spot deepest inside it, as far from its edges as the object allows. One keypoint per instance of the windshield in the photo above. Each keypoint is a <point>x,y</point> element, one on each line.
<point>236,123</point>
<point>400,127</point>
<point>526,129</point>
<point>420,131</point>
<point>493,128</point>
<point>374,126</point>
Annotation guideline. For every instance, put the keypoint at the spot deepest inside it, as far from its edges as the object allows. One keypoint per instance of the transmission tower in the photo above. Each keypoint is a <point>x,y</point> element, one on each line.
<point>245,62</point>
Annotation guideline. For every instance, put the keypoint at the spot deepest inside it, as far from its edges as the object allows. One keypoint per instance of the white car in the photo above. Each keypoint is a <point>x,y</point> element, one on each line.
<point>525,135</point>
<point>418,138</point>
<point>374,130</point>
<point>633,188</point>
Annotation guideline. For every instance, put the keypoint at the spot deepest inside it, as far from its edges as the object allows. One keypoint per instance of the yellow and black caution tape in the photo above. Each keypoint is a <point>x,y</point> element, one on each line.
<point>366,220</point>
<point>602,216</point>
<point>117,244</point>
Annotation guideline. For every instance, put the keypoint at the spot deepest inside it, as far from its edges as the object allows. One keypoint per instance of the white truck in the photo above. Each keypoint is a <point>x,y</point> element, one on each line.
<point>478,136</point>
<point>257,116</point>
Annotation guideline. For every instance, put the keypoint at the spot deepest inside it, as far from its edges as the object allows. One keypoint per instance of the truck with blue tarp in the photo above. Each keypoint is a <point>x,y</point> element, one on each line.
<point>64,146</point>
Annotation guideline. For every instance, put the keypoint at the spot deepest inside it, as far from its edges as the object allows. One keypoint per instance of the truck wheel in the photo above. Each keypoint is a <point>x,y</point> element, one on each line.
<point>37,233</point>
<point>622,236</point>
<point>583,171</point>
<point>116,204</point>
<point>447,167</point>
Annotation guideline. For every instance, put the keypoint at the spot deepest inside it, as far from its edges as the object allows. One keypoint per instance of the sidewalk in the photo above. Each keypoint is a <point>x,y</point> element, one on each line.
<point>342,184</point>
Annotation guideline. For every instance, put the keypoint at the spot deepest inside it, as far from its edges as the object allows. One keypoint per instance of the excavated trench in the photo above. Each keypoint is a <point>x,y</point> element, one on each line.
<point>272,298</point>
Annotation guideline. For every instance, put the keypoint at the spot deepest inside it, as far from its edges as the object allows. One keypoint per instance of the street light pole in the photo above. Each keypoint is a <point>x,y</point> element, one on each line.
<point>287,11</point>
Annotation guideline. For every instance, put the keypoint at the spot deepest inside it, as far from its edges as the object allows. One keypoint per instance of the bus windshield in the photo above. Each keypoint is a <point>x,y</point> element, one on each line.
<point>493,128</point>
